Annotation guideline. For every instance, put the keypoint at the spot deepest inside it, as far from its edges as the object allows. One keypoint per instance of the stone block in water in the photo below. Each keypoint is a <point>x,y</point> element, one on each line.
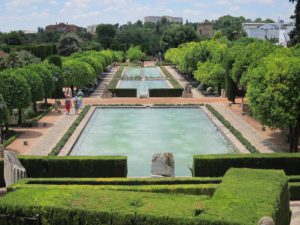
<point>163,165</point>
<point>13,169</point>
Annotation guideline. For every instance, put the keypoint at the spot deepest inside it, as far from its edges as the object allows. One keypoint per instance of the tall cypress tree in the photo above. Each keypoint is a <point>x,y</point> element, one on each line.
<point>295,34</point>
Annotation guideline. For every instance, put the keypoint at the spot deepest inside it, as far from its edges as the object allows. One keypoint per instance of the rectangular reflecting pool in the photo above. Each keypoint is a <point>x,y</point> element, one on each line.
<point>149,72</point>
<point>141,132</point>
<point>138,84</point>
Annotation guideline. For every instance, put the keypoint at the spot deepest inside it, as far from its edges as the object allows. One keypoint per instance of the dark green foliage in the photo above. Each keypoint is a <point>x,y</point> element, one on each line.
<point>231,27</point>
<point>15,90</point>
<point>133,201</point>
<point>234,131</point>
<point>246,195</point>
<point>45,74</point>
<point>231,88</point>
<point>55,59</point>
<point>217,165</point>
<point>124,93</point>
<point>172,92</point>
<point>58,78</point>
<point>55,151</point>
<point>71,166</point>
<point>68,44</point>
<point>177,34</point>
<point>3,112</point>
<point>106,34</point>
<point>41,51</point>
<point>295,34</point>
<point>294,188</point>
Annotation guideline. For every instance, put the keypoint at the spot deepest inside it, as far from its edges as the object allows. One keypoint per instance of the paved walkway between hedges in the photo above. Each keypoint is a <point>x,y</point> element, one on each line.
<point>250,133</point>
<point>107,77</point>
<point>48,140</point>
<point>184,82</point>
<point>295,208</point>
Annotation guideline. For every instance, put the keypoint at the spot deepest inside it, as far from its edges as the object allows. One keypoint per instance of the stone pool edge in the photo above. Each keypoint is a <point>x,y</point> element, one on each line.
<point>239,147</point>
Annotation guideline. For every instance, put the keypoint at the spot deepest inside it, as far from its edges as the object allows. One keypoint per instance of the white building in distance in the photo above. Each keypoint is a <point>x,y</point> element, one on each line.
<point>92,29</point>
<point>278,31</point>
<point>155,19</point>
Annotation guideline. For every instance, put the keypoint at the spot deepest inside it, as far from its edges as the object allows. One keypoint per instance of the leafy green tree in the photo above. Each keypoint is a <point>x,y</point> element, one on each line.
<point>231,26</point>
<point>15,91</point>
<point>106,34</point>
<point>77,73</point>
<point>69,44</point>
<point>57,76</point>
<point>135,53</point>
<point>48,80</point>
<point>36,85</point>
<point>177,34</point>
<point>210,73</point>
<point>274,95</point>
<point>295,34</point>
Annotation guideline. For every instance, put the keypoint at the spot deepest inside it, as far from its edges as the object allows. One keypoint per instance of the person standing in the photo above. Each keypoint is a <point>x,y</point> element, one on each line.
<point>80,96</point>
<point>68,104</point>
<point>76,104</point>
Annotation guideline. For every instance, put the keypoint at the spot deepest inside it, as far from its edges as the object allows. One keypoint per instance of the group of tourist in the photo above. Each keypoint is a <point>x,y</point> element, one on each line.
<point>77,101</point>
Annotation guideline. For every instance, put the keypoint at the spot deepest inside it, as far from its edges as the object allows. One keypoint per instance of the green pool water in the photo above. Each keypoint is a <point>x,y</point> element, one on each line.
<point>140,133</point>
<point>149,72</point>
<point>138,84</point>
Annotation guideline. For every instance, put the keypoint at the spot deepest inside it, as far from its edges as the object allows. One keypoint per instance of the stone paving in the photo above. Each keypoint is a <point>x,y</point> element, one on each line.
<point>295,208</point>
<point>250,133</point>
<point>45,143</point>
<point>184,82</point>
<point>107,77</point>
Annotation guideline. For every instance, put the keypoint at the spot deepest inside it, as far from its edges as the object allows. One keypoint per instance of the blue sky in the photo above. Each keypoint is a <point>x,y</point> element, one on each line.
<point>30,14</point>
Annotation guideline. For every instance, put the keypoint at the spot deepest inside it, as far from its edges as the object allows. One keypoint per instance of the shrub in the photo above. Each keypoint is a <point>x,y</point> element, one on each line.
<point>217,165</point>
<point>72,166</point>
<point>124,92</point>
<point>234,131</point>
<point>172,92</point>
<point>246,195</point>
<point>234,201</point>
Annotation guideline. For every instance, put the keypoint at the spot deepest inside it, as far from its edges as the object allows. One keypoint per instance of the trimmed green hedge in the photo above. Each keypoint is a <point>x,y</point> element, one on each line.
<point>170,78</point>
<point>113,83</point>
<point>72,166</point>
<point>294,188</point>
<point>234,131</point>
<point>246,195</point>
<point>170,92</point>
<point>217,165</point>
<point>234,201</point>
<point>59,146</point>
<point>124,93</point>
<point>122,181</point>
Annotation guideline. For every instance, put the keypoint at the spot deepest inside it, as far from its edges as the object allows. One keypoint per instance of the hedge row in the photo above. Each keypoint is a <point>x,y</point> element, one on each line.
<point>217,165</point>
<point>294,188</point>
<point>72,166</point>
<point>122,181</point>
<point>171,92</point>
<point>170,78</point>
<point>181,186</point>
<point>124,93</point>
<point>58,147</point>
<point>246,195</point>
<point>114,82</point>
<point>41,51</point>
<point>234,202</point>
<point>234,131</point>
